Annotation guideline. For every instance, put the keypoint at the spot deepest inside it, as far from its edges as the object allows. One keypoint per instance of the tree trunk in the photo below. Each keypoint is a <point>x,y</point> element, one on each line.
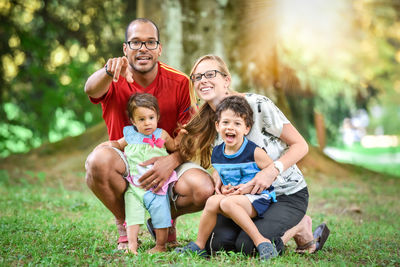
<point>320,129</point>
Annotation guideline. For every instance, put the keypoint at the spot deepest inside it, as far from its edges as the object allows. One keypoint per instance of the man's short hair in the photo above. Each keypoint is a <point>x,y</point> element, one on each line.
<point>141,20</point>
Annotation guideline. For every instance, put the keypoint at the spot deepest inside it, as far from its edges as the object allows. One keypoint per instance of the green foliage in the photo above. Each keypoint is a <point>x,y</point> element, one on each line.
<point>49,48</point>
<point>357,69</point>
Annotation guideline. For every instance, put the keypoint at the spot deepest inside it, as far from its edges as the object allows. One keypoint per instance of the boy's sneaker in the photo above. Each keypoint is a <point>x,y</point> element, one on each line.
<point>267,250</point>
<point>192,247</point>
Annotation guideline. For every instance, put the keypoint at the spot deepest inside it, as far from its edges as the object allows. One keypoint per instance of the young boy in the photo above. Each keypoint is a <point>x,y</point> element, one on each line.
<point>236,161</point>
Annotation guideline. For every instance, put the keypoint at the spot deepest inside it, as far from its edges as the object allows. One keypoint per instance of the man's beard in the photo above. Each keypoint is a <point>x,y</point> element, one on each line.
<point>142,71</point>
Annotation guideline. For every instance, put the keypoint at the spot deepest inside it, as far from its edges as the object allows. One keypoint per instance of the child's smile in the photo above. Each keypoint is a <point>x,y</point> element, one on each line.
<point>232,129</point>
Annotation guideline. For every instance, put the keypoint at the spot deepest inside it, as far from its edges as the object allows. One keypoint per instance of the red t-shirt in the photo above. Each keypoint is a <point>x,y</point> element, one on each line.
<point>170,87</point>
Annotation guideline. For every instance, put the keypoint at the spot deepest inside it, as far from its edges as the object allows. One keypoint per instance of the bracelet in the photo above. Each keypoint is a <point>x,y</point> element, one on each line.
<point>279,166</point>
<point>108,73</point>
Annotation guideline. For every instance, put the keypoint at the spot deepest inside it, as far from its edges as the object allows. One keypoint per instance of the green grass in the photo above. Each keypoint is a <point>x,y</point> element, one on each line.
<point>384,160</point>
<point>53,226</point>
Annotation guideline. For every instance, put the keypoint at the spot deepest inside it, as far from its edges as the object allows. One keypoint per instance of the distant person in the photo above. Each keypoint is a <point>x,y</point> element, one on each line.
<point>140,71</point>
<point>142,141</point>
<point>236,161</point>
<point>271,131</point>
<point>348,132</point>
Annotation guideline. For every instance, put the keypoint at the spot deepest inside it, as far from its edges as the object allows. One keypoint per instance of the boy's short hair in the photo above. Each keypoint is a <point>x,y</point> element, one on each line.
<point>143,100</point>
<point>239,106</point>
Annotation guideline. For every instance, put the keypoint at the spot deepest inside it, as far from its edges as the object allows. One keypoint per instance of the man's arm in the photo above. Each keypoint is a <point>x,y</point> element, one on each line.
<point>99,82</point>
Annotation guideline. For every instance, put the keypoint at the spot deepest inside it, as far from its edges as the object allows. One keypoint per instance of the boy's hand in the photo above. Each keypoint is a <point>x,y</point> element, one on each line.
<point>217,187</point>
<point>242,189</point>
<point>227,189</point>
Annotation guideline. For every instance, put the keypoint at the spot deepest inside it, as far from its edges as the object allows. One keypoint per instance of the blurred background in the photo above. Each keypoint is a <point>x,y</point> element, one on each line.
<point>331,66</point>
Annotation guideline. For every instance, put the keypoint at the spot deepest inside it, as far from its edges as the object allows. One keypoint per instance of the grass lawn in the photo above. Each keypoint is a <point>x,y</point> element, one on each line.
<point>379,159</point>
<point>42,224</point>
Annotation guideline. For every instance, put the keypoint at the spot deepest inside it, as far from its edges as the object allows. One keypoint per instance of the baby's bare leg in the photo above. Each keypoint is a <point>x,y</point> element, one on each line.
<point>161,240</point>
<point>133,232</point>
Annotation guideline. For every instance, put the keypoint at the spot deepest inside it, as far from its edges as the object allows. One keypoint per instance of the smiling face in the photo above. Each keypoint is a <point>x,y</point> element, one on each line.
<point>212,90</point>
<point>232,128</point>
<point>142,60</point>
<point>145,120</point>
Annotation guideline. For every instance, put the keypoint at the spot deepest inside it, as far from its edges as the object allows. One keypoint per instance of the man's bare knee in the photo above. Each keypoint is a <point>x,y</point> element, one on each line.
<point>102,165</point>
<point>202,192</point>
<point>195,185</point>
<point>104,169</point>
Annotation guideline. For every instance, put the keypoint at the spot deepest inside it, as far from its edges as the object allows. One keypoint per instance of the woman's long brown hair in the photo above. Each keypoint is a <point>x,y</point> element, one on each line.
<point>197,143</point>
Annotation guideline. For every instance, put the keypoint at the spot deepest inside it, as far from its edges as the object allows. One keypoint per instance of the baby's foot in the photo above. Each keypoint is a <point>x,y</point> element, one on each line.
<point>132,248</point>
<point>131,251</point>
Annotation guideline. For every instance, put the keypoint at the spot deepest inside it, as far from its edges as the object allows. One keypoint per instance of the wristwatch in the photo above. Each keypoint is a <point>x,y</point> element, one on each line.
<point>279,166</point>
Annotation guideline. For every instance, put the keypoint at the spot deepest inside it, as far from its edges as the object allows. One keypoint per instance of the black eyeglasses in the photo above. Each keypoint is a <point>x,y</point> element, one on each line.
<point>136,45</point>
<point>208,74</point>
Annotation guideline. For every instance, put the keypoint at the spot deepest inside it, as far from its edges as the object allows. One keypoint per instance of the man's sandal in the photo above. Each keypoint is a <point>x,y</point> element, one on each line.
<point>321,234</point>
<point>122,242</point>
<point>122,239</point>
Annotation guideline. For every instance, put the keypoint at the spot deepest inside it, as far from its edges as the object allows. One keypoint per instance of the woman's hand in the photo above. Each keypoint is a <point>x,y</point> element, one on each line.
<point>260,182</point>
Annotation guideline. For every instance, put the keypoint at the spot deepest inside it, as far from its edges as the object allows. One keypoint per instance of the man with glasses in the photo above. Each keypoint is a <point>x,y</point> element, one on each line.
<point>140,71</point>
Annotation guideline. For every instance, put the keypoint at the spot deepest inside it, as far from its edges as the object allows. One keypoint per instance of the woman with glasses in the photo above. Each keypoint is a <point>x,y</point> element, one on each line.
<point>271,131</point>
